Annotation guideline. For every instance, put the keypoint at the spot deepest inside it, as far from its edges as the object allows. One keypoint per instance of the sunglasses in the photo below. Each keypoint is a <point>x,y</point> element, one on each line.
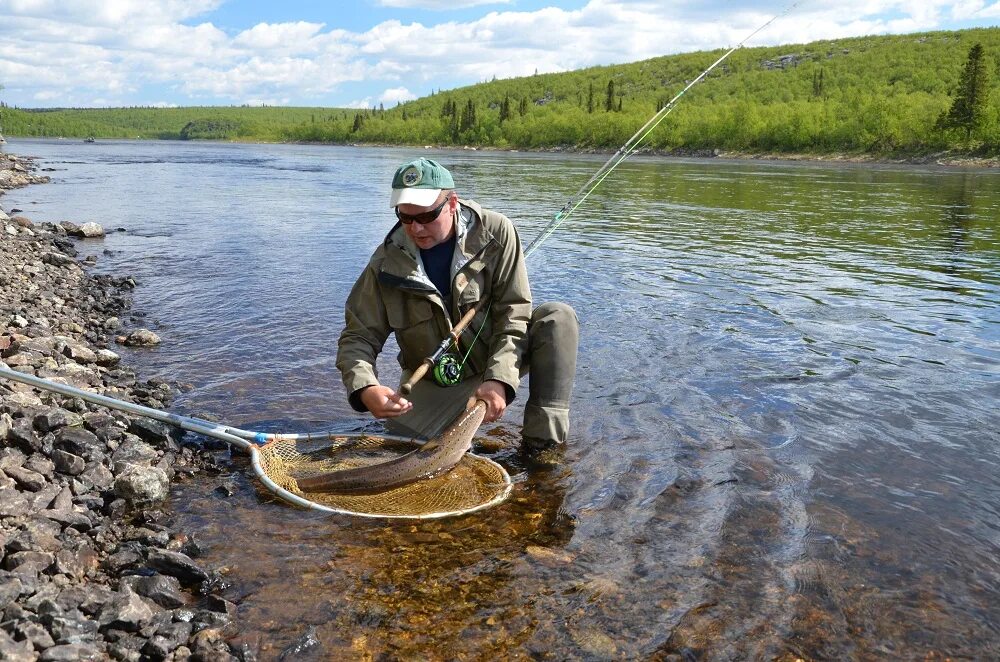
<point>422,219</point>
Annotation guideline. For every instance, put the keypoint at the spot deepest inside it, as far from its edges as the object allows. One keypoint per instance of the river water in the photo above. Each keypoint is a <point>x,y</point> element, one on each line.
<point>785,422</point>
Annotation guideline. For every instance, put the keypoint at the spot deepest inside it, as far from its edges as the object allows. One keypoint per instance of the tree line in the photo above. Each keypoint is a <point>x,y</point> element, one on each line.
<point>886,95</point>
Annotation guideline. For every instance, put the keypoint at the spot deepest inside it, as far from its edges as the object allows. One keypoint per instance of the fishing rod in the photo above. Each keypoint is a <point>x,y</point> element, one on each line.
<point>451,370</point>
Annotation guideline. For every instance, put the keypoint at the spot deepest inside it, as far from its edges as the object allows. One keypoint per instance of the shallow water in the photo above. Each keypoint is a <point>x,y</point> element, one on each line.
<point>785,418</point>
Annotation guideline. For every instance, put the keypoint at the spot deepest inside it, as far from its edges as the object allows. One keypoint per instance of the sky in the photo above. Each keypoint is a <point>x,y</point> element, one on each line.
<point>101,53</point>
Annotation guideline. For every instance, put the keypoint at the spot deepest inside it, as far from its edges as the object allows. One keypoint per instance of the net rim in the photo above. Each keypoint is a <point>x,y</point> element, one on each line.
<point>296,500</point>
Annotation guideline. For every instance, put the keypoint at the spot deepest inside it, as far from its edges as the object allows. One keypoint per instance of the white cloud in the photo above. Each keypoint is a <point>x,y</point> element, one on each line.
<point>439,4</point>
<point>55,51</point>
<point>396,95</point>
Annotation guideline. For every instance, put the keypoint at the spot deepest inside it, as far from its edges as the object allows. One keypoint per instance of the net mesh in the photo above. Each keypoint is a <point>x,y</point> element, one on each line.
<point>470,485</point>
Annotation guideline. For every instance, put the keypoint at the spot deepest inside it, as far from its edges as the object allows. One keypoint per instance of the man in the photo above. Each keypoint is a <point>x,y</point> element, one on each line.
<point>445,256</point>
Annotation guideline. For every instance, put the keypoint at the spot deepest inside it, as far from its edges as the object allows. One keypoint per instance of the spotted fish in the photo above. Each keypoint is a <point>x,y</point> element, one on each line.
<point>434,457</point>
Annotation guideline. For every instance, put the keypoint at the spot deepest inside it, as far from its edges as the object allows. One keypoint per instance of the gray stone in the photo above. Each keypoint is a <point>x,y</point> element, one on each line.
<point>28,562</point>
<point>33,538</point>
<point>40,464</point>
<point>141,338</point>
<point>15,651</point>
<point>22,435</point>
<point>87,598</point>
<point>97,476</point>
<point>26,478</point>
<point>34,633</point>
<point>91,230</point>
<point>133,452</point>
<point>55,418</point>
<point>76,564</point>
<point>57,259</point>
<point>154,432</point>
<point>176,565</point>
<point>71,653</point>
<point>79,521</point>
<point>79,353</point>
<point>161,589</point>
<point>12,503</point>
<point>68,463</point>
<point>107,358</point>
<point>125,611</point>
<point>79,441</point>
<point>142,485</point>
<point>73,627</point>
<point>10,589</point>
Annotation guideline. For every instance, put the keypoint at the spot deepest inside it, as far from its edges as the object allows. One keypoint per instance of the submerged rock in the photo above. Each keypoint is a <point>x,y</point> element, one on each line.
<point>141,338</point>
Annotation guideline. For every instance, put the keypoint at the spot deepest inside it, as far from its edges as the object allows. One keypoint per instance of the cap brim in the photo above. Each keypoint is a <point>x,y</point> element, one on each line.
<point>422,197</point>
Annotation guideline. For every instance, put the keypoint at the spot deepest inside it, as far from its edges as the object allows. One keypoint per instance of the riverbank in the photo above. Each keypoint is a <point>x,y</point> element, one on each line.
<point>90,564</point>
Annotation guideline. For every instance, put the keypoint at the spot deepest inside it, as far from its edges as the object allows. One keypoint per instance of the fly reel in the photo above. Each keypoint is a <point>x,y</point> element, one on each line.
<point>448,370</point>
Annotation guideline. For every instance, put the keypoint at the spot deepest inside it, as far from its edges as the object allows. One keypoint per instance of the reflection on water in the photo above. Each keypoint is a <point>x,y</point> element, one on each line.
<point>785,432</point>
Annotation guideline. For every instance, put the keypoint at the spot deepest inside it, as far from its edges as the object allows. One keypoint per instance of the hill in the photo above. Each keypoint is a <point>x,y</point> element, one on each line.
<point>880,95</point>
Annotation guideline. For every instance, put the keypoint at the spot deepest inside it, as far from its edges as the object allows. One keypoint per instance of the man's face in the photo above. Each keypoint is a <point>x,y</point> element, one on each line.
<point>431,234</point>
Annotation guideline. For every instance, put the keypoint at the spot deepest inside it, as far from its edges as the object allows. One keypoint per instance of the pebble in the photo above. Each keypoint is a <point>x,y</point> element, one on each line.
<point>85,574</point>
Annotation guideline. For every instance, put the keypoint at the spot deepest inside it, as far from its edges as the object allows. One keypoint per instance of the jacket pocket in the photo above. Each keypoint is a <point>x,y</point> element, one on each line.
<point>412,321</point>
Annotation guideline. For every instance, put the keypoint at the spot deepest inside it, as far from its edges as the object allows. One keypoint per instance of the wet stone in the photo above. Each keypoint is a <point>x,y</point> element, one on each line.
<point>161,589</point>
<point>154,432</point>
<point>176,565</point>
<point>141,338</point>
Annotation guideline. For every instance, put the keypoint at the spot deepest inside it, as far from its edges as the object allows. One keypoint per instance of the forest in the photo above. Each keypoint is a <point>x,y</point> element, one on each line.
<point>897,95</point>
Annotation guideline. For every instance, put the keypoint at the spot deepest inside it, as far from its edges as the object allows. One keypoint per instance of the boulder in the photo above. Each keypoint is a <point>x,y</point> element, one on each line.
<point>141,338</point>
<point>141,485</point>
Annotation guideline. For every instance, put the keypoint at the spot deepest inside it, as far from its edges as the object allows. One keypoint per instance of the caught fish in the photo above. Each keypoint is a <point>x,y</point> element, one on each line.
<point>434,457</point>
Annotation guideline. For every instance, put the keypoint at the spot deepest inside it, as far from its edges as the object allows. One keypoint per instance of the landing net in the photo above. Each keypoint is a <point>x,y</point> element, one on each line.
<point>474,483</point>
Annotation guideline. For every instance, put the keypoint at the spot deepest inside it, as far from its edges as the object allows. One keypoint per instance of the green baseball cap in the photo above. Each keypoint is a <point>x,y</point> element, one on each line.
<point>419,183</point>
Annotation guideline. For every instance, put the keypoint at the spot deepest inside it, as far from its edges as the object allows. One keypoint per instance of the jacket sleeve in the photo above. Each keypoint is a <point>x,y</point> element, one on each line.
<point>510,310</point>
<point>366,328</point>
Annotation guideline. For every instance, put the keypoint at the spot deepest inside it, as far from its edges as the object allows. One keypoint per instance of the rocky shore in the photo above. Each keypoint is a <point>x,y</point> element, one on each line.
<point>90,564</point>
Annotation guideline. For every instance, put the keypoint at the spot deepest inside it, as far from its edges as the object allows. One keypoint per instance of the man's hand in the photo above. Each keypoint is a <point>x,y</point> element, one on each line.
<point>383,402</point>
<point>494,394</point>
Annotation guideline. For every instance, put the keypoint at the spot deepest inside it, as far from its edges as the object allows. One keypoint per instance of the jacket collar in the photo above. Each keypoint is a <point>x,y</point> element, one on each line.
<point>402,264</point>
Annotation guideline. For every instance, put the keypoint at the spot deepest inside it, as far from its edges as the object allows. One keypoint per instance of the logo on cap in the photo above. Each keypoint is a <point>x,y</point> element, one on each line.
<point>412,176</point>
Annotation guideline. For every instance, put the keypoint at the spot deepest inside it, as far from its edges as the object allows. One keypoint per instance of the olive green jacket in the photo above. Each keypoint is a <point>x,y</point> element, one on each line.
<point>394,295</point>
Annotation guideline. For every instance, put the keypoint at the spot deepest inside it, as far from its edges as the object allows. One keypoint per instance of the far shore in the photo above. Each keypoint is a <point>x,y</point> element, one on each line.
<point>950,159</point>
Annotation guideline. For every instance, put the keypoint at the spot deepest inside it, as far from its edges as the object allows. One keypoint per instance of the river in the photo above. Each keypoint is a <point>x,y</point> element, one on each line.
<point>785,422</point>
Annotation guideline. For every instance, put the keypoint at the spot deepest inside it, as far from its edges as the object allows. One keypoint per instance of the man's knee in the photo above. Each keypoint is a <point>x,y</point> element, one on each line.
<point>554,313</point>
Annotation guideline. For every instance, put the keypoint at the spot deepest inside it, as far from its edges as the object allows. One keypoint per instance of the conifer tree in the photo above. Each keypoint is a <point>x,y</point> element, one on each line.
<point>609,102</point>
<point>590,98</point>
<point>968,110</point>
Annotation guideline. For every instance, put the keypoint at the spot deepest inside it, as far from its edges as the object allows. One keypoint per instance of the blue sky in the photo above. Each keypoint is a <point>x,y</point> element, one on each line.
<point>367,52</point>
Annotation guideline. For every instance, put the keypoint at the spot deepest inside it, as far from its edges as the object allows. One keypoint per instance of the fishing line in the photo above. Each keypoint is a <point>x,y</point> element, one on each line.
<point>631,146</point>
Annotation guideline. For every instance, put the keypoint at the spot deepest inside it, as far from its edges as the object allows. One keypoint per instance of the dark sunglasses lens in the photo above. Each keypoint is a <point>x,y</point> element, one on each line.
<point>422,219</point>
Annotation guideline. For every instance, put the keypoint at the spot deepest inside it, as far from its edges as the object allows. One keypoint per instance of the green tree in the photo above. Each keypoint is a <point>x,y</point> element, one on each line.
<point>505,109</point>
<point>590,98</point>
<point>609,102</point>
<point>968,109</point>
